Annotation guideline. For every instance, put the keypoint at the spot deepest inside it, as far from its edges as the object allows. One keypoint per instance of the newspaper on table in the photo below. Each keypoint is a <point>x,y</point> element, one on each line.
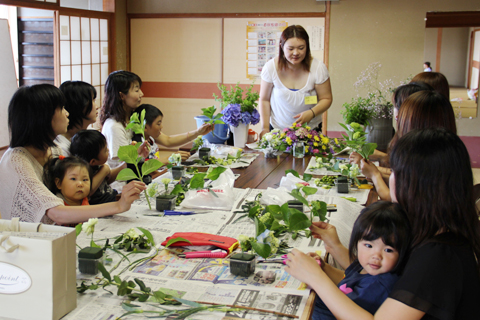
<point>208,281</point>
<point>222,152</point>
<point>311,168</point>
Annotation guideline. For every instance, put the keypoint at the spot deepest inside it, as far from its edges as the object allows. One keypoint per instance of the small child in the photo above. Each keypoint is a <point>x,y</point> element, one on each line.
<point>69,178</point>
<point>91,146</point>
<point>153,126</point>
<point>378,248</point>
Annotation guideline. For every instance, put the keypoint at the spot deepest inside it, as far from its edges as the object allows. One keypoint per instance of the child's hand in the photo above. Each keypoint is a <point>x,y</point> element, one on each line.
<point>317,258</point>
<point>130,193</point>
<point>302,267</point>
<point>204,129</point>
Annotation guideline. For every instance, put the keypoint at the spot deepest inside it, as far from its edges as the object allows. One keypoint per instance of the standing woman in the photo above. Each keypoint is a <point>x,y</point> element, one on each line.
<point>35,117</point>
<point>295,87</point>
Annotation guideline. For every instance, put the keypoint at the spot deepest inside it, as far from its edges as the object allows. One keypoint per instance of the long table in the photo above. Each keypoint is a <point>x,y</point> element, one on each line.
<point>267,172</point>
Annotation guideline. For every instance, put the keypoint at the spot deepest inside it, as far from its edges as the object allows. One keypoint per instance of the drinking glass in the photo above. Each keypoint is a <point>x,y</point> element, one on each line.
<point>299,149</point>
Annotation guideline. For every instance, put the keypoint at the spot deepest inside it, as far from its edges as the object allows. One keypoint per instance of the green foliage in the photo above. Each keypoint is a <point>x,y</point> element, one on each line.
<point>137,125</point>
<point>359,111</point>
<point>129,154</point>
<point>234,95</point>
<point>356,139</point>
<point>177,239</point>
<point>210,114</point>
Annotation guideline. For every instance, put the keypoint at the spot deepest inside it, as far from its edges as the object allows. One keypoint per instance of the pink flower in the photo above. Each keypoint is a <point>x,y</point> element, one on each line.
<point>315,151</point>
<point>286,130</point>
<point>298,125</point>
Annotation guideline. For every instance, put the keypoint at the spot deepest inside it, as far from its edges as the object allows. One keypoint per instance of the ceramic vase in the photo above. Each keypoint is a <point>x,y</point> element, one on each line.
<point>240,135</point>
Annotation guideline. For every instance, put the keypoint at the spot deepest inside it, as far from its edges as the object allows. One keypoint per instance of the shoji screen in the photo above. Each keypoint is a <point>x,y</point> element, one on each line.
<point>84,51</point>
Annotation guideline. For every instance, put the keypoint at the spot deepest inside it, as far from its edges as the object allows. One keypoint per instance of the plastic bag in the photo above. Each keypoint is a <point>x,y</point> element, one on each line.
<point>289,182</point>
<point>275,196</point>
<point>204,199</point>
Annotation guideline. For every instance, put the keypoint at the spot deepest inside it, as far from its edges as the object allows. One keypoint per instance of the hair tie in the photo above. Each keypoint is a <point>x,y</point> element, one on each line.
<point>61,157</point>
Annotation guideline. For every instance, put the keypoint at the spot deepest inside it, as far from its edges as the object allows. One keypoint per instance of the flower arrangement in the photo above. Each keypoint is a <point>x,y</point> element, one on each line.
<point>271,143</point>
<point>236,108</point>
<point>315,143</point>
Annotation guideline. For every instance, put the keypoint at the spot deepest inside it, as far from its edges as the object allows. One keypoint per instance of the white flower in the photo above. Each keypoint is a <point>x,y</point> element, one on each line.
<point>268,136</point>
<point>175,158</point>
<point>261,237</point>
<point>152,189</point>
<point>89,226</point>
<point>343,167</point>
<point>242,238</point>
<point>166,180</point>
<point>132,233</point>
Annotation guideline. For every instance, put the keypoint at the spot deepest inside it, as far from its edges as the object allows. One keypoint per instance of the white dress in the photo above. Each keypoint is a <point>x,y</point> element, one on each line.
<point>116,136</point>
<point>22,192</point>
<point>285,103</point>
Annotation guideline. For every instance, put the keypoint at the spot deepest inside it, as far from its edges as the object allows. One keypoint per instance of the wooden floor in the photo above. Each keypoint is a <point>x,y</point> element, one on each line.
<point>462,105</point>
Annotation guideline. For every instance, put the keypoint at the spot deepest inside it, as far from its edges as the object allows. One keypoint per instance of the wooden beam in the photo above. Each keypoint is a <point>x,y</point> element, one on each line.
<point>32,4</point>
<point>326,50</point>
<point>453,19</point>
<point>227,15</point>
<point>439,49</point>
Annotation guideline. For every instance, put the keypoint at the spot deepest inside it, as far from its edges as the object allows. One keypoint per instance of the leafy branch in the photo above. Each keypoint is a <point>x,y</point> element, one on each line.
<point>356,139</point>
<point>129,154</point>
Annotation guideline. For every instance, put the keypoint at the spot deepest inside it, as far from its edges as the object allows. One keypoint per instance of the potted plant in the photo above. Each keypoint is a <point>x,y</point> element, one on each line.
<point>176,169</point>
<point>239,111</point>
<point>165,201</point>
<point>204,152</point>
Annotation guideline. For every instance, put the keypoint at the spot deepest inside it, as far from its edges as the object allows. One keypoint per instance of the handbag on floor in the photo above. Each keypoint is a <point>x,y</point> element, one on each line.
<point>37,270</point>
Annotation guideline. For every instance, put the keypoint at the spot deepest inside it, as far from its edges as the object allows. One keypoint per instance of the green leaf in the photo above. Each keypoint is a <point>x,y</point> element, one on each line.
<point>143,297</point>
<point>275,210</point>
<point>104,272</point>
<point>215,173</point>
<point>262,249</point>
<point>135,127</point>
<point>309,190</point>
<point>307,177</point>
<point>174,240</point>
<point>122,288</point>
<point>295,173</point>
<point>126,174</point>
<point>259,227</point>
<point>286,213</point>
<point>177,189</point>
<point>197,181</point>
<point>159,296</point>
<point>151,166</point>
<point>148,235</point>
<point>212,192</point>
<point>78,229</point>
<point>188,302</point>
<point>117,279</point>
<point>141,284</point>
<point>128,154</point>
<point>299,221</point>
<point>297,195</point>
<point>129,307</point>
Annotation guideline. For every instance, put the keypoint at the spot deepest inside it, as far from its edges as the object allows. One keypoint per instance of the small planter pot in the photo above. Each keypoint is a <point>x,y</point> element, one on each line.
<point>242,264</point>
<point>178,172</point>
<point>295,204</point>
<point>204,152</point>
<point>88,260</point>
<point>343,185</point>
<point>165,202</point>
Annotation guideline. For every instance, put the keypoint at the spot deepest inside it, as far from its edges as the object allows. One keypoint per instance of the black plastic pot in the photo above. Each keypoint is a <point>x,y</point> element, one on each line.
<point>242,264</point>
<point>165,202</point>
<point>177,172</point>
<point>204,152</point>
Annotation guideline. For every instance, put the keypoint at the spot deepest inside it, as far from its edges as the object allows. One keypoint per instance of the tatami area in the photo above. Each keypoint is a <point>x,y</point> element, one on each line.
<point>462,105</point>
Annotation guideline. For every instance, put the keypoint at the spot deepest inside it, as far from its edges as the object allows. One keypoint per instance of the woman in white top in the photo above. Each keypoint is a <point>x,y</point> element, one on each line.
<point>35,117</point>
<point>123,95</point>
<point>295,87</point>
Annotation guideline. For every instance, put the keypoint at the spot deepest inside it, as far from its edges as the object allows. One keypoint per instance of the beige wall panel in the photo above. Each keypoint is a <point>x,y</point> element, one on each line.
<point>223,6</point>
<point>176,50</point>
<point>179,113</point>
<point>453,62</point>
<point>391,32</point>
<point>431,46</point>
<point>121,34</point>
<point>235,45</point>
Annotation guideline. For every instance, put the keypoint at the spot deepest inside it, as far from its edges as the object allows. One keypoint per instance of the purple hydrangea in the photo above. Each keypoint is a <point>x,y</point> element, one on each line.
<point>232,115</point>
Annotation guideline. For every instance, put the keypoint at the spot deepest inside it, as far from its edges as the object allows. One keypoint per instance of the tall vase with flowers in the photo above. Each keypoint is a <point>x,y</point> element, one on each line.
<point>239,110</point>
<point>375,111</point>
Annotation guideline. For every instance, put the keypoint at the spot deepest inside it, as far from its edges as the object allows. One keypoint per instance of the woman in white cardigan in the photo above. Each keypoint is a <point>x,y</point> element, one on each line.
<point>35,117</point>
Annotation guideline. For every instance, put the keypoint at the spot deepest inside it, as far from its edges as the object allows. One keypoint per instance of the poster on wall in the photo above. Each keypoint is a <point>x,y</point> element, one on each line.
<point>262,44</point>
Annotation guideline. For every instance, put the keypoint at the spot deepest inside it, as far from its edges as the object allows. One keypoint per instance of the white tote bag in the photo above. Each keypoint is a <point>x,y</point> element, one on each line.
<point>37,270</point>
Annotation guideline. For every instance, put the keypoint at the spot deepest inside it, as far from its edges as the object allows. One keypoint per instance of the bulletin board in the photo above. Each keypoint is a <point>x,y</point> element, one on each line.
<point>238,47</point>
